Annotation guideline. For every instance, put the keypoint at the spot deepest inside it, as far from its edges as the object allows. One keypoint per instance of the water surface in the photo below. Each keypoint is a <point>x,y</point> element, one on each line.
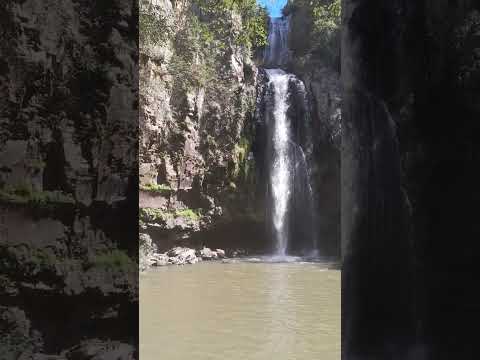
<point>240,311</point>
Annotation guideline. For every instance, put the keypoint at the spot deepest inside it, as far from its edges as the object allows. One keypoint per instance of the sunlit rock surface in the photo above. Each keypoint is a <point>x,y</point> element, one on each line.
<point>197,167</point>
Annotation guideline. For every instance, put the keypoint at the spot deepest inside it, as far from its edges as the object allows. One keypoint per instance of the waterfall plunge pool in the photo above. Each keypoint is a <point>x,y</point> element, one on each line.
<point>252,309</point>
<point>279,307</point>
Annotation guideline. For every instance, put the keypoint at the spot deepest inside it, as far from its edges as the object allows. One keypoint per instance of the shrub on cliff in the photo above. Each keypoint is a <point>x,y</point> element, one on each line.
<point>201,34</point>
<point>253,33</point>
<point>326,29</point>
<point>210,20</point>
<point>317,24</point>
<point>153,24</point>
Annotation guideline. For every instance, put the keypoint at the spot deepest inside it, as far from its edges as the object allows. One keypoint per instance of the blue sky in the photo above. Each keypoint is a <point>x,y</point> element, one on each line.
<point>274,7</point>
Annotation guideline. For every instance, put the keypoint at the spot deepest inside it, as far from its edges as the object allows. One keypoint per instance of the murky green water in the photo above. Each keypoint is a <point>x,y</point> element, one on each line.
<point>240,311</point>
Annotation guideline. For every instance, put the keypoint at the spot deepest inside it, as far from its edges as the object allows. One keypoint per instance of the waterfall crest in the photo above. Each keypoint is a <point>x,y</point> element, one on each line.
<point>277,53</point>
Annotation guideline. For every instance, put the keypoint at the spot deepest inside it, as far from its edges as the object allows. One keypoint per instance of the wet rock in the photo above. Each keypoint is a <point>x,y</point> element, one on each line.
<point>182,256</point>
<point>193,260</point>
<point>97,349</point>
<point>176,256</point>
<point>147,252</point>
<point>181,223</point>
<point>208,254</point>
<point>230,261</point>
<point>238,252</point>
<point>160,260</point>
<point>220,253</point>
<point>176,251</point>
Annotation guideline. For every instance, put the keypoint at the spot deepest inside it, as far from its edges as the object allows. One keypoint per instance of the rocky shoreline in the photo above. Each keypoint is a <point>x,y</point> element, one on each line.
<point>149,255</point>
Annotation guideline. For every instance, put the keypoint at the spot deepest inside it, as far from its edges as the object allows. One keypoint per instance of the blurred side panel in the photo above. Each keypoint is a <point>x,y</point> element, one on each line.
<point>69,179</point>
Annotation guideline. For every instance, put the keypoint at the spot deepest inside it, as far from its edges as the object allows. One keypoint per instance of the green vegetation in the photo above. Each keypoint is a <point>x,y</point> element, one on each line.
<point>243,164</point>
<point>151,214</point>
<point>189,214</point>
<point>25,194</point>
<point>116,259</point>
<point>32,260</point>
<point>243,148</point>
<point>156,188</point>
<point>208,34</point>
<point>202,35</point>
<point>319,25</point>
<point>190,74</point>
<point>40,260</point>
<point>153,24</point>
<point>216,13</point>
<point>327,20</point>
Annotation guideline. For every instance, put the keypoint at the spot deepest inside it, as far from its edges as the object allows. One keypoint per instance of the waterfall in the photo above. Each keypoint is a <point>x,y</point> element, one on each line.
<point>276,52</point>
<point>290,197</point>
<point>281,164</point>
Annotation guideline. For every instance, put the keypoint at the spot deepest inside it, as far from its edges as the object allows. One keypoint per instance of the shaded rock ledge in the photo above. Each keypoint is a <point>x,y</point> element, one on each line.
<point>150,256</point>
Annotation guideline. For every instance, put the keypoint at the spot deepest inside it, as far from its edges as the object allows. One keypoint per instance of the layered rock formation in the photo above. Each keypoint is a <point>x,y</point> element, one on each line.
<point>68,163</point>
<point>197,168</point>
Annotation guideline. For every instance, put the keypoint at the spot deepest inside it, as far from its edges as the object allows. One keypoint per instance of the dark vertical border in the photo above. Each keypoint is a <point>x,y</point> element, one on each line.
<point>69,179</point>
<point>410,160</point>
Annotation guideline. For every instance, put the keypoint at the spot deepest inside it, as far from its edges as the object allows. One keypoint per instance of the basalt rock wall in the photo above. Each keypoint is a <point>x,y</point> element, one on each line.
<point>197,163</point>
<point>68,164</point>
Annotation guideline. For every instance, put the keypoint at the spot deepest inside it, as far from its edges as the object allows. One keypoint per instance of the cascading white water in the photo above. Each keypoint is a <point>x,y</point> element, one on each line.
<point>290,193</point>
<point>280,174</point>
<point>277,53</point>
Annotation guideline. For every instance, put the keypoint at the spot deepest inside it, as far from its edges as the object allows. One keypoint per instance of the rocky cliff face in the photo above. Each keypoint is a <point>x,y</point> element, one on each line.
<point>201,161</point>
<point>68,161</point>
<point>321,77</point>
<point>324,91</point>
<point>197,169</point>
